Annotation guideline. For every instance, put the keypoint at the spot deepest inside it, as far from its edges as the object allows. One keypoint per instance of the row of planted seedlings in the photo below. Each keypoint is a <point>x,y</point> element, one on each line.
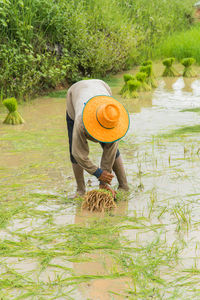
<point>143,81</point>
<point>170,71</point>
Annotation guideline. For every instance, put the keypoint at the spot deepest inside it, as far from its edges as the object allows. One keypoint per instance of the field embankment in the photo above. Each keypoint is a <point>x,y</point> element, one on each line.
<point>44,43</point>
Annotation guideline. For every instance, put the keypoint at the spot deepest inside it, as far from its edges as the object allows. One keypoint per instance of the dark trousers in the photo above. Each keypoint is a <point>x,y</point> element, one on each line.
<point>70,126</point>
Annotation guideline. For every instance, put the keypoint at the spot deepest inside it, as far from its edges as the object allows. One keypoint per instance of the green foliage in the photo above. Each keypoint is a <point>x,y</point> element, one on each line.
<point>187,62</point>
<point>157,19</point>
<point>181,44</point>
<point>44,43</point>
<point>13,117</point>
<point>169,71</point>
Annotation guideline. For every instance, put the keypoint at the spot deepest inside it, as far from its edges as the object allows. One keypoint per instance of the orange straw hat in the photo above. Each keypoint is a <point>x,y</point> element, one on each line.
<point>105,119</point>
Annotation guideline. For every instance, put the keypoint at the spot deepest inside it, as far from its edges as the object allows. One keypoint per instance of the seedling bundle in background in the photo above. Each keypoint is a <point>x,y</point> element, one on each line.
<point>133,86</point>
<point>150,79</point>
<point>141,77</point>
<point>187,62</point>
<point>13,117</point>
<point>126,77</point>
<point>129,89</point>
<point>169,69</point>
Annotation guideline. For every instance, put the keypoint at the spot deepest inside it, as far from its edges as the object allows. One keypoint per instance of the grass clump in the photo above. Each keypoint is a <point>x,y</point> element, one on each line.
<point>13,117</point>
<point>187,62</point>
<point>141,77</point>
<point>169,70</point>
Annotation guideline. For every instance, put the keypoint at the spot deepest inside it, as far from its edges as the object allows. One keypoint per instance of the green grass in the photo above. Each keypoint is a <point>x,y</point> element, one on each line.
<point>112,81</point>
<point>183,131</point>
<point>195,109</point>
<point>181,45</point>
<point>58,94</point>
<point>140,261</point>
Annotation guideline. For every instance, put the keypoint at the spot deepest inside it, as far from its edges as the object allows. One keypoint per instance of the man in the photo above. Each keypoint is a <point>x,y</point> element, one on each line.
<point>93,114</point>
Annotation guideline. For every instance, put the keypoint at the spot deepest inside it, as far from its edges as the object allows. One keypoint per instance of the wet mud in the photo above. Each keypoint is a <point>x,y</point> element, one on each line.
<point>163,173</point>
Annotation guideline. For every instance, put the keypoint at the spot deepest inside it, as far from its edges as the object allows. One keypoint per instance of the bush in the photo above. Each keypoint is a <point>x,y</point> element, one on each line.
<point>47,42</point>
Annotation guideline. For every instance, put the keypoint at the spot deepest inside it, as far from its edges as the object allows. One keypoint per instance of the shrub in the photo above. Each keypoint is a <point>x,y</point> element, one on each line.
<point>46,42</point>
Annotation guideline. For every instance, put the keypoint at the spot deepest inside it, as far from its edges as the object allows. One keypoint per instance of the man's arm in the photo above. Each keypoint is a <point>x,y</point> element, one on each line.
<point>108,156</point>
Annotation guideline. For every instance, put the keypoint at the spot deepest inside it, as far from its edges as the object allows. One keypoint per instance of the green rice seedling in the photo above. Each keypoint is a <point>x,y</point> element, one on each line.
<point>13,117</point>
<point>195,109</point>
<point>187,62</point>
<point>169,70</point>
<point>153,81</point>
<point>141,77</point>
<point>147,62</point>
<point>126,77</point>
<point>131,91</point>
<point>150,76</point>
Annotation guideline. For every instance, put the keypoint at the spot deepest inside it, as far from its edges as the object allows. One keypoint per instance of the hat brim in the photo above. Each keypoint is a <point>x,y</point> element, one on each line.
<point>94,128</point>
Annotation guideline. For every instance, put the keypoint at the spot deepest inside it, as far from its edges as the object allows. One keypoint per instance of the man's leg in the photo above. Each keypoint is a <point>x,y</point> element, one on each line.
<point>79,176</point>
<point>118,168</point>
<point>78,171</point>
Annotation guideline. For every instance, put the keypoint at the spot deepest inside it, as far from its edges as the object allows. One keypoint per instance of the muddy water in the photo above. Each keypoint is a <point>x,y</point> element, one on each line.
<point>162,172</point>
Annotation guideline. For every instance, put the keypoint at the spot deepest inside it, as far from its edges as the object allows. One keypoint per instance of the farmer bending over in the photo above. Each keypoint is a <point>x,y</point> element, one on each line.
<point>93,114</point>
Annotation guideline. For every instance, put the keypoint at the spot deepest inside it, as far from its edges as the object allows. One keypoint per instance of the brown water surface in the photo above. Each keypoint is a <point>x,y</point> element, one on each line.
<point>162,172</point>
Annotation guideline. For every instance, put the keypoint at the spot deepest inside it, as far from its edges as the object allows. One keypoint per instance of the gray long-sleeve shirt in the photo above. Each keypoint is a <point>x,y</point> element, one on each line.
<point>78,94</point>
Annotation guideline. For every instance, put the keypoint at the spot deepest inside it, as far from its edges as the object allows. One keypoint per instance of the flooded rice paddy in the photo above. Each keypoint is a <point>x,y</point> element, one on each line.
<point>149,248</point>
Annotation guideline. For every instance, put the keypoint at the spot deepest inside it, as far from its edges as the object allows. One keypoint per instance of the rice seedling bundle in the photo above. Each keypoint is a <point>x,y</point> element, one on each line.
<point>99,201</point>
<point>169,70</point>
<point>187,62</point>
<point>148,69</point>
<point>13,117</point>
<point>147,62</point>
<point>131,91</point>
<point>126,77</point>
<point>141,77</point>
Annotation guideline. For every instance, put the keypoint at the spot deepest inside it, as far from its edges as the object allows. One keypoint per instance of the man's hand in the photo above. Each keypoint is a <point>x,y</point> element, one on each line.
<point>106,177</point>
<point>108,188</point>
